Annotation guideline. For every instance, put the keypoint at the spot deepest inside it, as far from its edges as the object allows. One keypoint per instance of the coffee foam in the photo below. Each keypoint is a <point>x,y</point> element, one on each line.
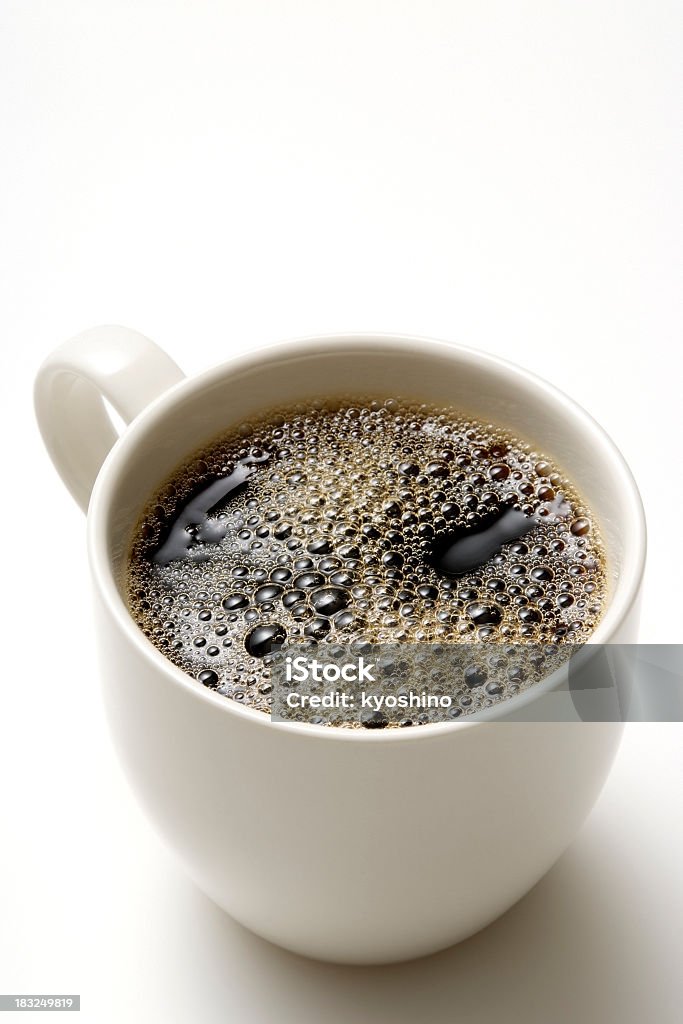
<point>331,538</point>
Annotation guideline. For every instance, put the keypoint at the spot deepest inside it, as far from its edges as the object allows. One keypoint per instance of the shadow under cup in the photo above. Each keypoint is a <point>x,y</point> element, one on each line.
<point>310,835</point>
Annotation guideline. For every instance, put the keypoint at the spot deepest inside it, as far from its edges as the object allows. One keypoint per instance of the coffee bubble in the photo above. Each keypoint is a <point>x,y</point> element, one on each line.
<point>340,521</point>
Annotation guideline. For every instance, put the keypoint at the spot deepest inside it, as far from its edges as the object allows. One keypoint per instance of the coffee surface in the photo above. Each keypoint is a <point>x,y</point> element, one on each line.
<point>360,521</point>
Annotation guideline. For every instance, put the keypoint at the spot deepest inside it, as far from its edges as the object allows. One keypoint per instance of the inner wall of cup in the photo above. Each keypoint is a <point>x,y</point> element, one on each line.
<point>472,384</point>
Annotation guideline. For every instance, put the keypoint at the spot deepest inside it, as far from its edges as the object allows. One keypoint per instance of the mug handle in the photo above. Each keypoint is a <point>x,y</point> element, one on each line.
<point>112,363</point>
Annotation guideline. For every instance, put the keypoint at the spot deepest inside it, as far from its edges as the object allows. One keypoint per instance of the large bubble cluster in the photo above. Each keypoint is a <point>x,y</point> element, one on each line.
<point>330,539</point>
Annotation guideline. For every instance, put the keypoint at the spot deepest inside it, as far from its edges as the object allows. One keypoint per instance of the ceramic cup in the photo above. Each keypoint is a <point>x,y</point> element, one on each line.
<point>341,844</point>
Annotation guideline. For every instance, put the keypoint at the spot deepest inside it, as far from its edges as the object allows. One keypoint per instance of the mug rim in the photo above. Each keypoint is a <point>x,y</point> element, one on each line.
<point>626,588</point>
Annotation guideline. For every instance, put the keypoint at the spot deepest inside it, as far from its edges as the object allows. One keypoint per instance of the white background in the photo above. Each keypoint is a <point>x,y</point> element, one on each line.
<point>223,175</point>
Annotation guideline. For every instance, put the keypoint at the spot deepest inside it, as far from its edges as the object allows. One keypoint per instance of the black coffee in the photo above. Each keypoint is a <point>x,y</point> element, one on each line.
<point>380,521</point>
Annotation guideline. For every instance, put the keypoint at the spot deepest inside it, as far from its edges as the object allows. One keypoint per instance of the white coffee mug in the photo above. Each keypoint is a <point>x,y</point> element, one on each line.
<point>341,844</point>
